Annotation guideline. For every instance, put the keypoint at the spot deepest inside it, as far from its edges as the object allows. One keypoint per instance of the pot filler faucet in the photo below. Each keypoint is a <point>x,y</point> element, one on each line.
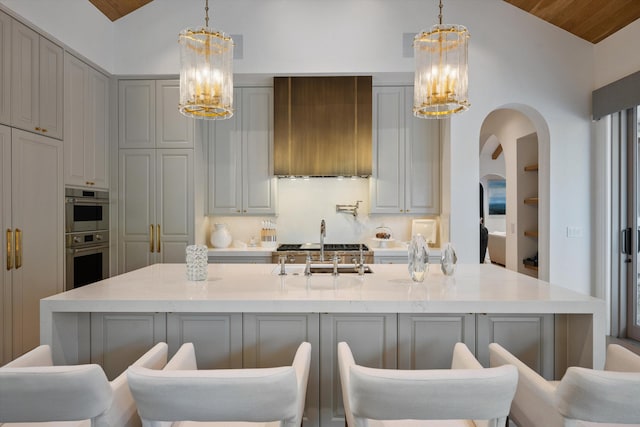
<point>323,234</point>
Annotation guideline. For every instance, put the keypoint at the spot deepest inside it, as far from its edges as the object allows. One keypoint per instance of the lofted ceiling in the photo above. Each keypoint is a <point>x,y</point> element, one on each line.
<point>115,9</point>
<point>591,20</point>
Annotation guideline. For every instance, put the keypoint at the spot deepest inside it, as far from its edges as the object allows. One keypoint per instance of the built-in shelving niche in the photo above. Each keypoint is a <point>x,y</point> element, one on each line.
<point>527,187</point>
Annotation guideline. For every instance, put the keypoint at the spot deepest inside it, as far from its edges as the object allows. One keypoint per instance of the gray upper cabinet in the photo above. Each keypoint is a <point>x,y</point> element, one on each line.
<point>5,69</point>
<point>149,116</point>
<point>406,156</point>
<point>36,82</point>
<point>86,140</point>
<point>241,181</point>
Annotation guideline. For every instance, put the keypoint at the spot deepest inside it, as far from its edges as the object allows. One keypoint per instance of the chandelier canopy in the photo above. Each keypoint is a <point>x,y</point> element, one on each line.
<point>206,72</point>
<point>441,73</point>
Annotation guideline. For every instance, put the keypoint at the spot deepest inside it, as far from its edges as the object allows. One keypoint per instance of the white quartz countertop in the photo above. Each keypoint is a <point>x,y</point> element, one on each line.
<point>475,288</point>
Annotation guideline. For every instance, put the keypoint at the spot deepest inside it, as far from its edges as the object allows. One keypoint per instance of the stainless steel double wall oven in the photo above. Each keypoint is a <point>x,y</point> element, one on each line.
<point>86,236</point>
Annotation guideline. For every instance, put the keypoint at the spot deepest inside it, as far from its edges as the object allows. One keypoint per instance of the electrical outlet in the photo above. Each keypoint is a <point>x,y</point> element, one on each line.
<point>574,232</point>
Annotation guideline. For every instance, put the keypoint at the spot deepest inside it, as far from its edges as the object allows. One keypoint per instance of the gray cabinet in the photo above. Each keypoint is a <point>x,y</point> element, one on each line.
<point>156,175</point>
<point>119,339</point>
<point>5,69</point>
<point>86,139</point>
<point>149,117</point>
<point>272,340</point>
<point>426,341</point>
<point>406,156</point>
<point>240,180</point>
<point>32,243</point>
<point>156,209</point>
<point>372,339</point>
<point>254,259</point>
<point>36,82</point>
<point>530,337</point>
<point>217,338</point>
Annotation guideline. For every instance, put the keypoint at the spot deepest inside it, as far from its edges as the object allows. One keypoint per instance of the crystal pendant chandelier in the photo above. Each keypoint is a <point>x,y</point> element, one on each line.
<point>441,75</point>
<point>206,72</point>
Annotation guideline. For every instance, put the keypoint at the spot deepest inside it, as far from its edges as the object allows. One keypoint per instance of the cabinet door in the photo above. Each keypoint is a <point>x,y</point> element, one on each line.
<point>25,67</point>
<point>422,160</point>
<point>387,182</point>
<point>173,130</point>
<point>272,339</point>
<point>426,341</point>
<point>5,69</point>
<point>137,210</point>
<point>50,90</point>
<point>119,339</point>
<point>37,187</point>
<point>530,337</point>
<point>174,204</point>
<point>217,338</point>
<point>76,108</point>
<point>258,182</point>
<point>97,130</point>
<point>137,113</point>
<point>225,163</point>
<point>372,339</point>
<point>7,240</point>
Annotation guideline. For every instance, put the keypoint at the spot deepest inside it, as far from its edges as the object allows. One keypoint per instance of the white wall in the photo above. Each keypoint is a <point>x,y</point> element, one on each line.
<point>514,58</point>
<point>617,55</point>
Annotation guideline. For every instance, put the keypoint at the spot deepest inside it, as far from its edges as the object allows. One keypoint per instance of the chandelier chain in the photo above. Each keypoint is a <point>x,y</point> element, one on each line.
<point>206,13</point>
<point>439,16</point>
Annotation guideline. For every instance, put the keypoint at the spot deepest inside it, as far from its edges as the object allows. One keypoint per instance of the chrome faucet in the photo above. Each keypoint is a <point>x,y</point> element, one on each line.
<point>323,234</point>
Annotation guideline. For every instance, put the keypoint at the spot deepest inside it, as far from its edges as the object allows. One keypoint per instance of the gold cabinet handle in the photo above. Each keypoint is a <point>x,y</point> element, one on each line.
<point>151,243</point>
<point>18,243</point>
<point>9,254</point>
<point>38,129</point>
<point>44,130</point>
<point>158,236</point>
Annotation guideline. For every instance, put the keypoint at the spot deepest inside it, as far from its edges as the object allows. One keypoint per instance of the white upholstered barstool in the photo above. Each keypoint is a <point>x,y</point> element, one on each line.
<point>180,395</point>
<point>434,397</point>
<point>34,391</point>
<point>584,397</point>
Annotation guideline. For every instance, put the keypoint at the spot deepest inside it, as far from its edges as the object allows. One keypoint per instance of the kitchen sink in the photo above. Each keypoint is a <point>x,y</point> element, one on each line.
<point>298,269</point>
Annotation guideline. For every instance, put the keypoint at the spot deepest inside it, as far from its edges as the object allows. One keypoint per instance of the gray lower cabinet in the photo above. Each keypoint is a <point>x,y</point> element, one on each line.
<point>372,339</point>
<point>272,339</point>
<point>387,340</point>
<point>239,259</point>
<point>426,341</point>
<point>217,338</point>
<point>530,337</point>
<point>118,339</point>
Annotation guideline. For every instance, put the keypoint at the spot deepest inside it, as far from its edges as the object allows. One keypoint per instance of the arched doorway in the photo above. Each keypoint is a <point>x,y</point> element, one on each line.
<point>522,136</point>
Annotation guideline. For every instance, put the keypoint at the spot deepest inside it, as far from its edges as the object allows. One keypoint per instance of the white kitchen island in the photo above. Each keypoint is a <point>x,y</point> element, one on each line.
<point>247,316</point>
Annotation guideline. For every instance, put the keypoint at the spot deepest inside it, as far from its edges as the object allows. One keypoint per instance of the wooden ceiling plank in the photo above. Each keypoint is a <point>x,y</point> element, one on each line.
<point>496,152</point>
<point>116,9</point>
<point>592,20</point>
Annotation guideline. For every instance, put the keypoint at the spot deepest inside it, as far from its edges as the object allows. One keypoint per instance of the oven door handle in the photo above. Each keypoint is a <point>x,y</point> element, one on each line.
<point>96,249</point>
<point>82,202</point>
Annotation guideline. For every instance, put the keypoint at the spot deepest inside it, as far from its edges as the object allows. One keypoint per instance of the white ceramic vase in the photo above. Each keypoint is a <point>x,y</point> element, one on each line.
<point>221,237</point>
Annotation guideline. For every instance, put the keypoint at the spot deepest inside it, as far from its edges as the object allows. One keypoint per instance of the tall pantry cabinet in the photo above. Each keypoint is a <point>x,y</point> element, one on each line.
<point>32,250</point>
<point>156,175</point>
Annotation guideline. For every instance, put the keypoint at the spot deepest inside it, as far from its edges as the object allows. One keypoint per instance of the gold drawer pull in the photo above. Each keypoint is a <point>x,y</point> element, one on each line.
<point>9,254</point>
<point>158,234</point>
<point>18,243</point>
<point>151,242</point>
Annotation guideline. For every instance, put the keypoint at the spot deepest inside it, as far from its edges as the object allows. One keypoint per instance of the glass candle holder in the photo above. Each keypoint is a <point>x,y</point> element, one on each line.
<point>197,262</point>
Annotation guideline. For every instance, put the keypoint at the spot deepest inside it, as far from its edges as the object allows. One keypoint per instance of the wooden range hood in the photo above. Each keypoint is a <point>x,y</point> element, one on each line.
<point>322,126</point>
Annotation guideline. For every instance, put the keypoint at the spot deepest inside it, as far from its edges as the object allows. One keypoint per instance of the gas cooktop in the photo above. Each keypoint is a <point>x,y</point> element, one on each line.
<point>327,247</point>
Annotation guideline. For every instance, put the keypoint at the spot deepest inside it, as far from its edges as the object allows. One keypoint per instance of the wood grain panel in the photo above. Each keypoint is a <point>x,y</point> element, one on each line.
<point>591,20</point>
<point>116,9</point>
<point>322,126</point>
